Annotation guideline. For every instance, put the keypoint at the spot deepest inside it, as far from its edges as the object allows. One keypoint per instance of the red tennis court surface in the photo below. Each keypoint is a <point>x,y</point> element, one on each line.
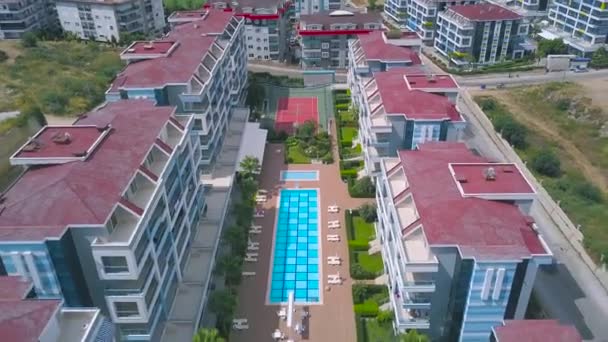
<point>292,110</point>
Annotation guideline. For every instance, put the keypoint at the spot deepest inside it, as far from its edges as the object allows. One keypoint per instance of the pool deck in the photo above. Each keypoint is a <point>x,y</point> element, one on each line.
<point>334,319</point>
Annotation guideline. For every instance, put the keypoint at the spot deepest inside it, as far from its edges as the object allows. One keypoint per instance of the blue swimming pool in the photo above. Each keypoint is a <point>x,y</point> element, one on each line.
<point>299,175</point>
<point>295,262</point>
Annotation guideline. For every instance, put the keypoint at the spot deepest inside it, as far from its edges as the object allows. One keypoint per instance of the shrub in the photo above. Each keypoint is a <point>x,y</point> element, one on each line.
<point>385,317</point>
<point>563,104</point>
<point>368,212</point>
<point>369,309</point>
<point>515,134</point>
<point>488,103</point>
<point>588,191</point>
<point>3,56</point>
<point>328,159</point>
<point>346,143</point>
<point>546,163</point>
<point>342,106</point>
<point>358,245</point>
<point>348,219</point>
<point>348,174</point>
<point>360,293</point>
<point>362,188</point>
<point>29,40</point>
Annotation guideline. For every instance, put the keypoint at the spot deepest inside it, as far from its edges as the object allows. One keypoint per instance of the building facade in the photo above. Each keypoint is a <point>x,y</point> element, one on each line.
<point>267,25</point>
<point>18,17</point>
<point>108,20</point>
<point>199,67</point>
<point>452,274</point>
<point>531,10</point>
<point>308,7</point>
<point>27,318</point>
<point>480,34</point>
<point>325,36</point>
<point>420,16</point>
<point>582,25</point>
<point>118,237</point>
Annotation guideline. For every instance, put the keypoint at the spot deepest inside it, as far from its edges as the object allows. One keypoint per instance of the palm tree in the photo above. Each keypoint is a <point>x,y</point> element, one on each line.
<point>250,166</point>
<point>230,266</point>
<point>208,335</point>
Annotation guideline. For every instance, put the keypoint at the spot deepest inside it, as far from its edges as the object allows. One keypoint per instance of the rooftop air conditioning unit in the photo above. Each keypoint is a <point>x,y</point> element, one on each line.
<point>489,174</point>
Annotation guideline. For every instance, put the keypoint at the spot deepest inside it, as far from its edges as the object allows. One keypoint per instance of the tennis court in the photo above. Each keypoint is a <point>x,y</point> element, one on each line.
<point>274,94</point>
<point>294,111</point>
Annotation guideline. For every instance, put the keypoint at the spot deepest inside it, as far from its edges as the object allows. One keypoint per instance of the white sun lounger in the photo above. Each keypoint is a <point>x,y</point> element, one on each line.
<point>333,209</point>
<point>251,255</point>
<point>239,321</point>
<point>334,281</point>
<point>334,262</point>
<point>252,231</point>
<point>334,222</point>
<point>248,274</point>
<point>253,248</point>
<point>240,326</point>
<point>260,199</point>
<point>333,227</point>
<point>250,259</point>
<point>259,213</point>
<point>333,238</point>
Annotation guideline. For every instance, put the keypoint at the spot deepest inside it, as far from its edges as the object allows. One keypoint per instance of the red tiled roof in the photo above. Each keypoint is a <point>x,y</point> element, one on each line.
<point>414,104</point>
<point>183,61</point>
<point>485,12</point>
<point>509,179</point>
<point>81,139</point>
<point>153,47</point>
<point>22,319</point>
<point>375,48</point>
<point>427,81</point>
<point>48,198</point>
<point>481,228</point>
<point>537,330</point>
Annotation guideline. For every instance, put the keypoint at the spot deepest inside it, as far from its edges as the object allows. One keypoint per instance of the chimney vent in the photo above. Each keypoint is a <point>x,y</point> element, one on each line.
<point>62,138</point>
<point>489,174</point>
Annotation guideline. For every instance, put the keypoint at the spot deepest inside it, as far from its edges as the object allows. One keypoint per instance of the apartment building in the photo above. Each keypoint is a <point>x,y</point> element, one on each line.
<point>459,249</point>
<point>534,330</point>
<point>106,213</point>
<point>267,25</point>
<point>480,34</point>
<point>308,7</point>
<point>325,36</point>
<point>20,16</point>
<point>198,67</point>
<point>26,318</point>
<point>400,103</point>
<point>107,20</point>
<point>420,16</point>
<point>583,25</point>
<point>531,10</point>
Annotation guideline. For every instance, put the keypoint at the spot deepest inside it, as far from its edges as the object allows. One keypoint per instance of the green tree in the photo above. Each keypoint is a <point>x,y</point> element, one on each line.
<point>208,335</point>
<point>306,130</point>
<point>360,293</point>
<point>231,267</point>
<point>250,166</point>
<point>385,317</point>
<point>29,40</point>
<point>236,238</point>
<point>127,38</point>
<point>368,212</point>
<point>551,47</point>
<point>372,4</point>
<point>546,163</point>
<point>255,95</point>
<point>514,133</point>
<point>223,302</point>
<point>599,59</point>
<point>363,187</point>
<point>413,336</point>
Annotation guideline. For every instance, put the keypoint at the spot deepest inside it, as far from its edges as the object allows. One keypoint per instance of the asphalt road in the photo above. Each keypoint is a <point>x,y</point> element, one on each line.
<point>528,78</point>
<point>568,291</point>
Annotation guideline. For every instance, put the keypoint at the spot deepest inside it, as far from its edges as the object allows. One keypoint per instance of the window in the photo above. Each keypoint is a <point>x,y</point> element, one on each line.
<point>126,309</point>
<point>114,264</point>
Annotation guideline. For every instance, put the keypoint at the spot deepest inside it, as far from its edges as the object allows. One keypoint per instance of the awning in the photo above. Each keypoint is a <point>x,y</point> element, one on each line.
<point>252,143</point>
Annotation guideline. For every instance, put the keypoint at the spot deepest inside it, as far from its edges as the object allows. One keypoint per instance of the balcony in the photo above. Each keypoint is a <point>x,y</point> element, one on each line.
<point>156,161</point>
<point>418,282</point>
<point>408,318</point>
<point>419,257</point>
<point>125,228</point>
<point>141,190</point>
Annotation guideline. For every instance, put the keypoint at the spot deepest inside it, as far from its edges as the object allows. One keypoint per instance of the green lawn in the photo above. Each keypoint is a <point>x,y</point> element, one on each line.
<point>295,156</point>
<point>376,332</point>
<point>348,133</point>
<point>363,230</point>
<point>371,263</point>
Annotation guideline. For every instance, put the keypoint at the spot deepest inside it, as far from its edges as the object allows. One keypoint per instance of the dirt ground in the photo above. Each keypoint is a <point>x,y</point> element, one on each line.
<point>596,90</point>
<point>12,49</point>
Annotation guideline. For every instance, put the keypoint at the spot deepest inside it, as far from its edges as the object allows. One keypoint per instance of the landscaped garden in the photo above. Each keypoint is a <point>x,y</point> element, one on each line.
<point>360,231</point>
<point>307,144</point>
<point>556,130</point>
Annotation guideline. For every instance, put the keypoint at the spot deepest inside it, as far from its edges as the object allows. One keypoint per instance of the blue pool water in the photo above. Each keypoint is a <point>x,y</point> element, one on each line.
<point>295,264</point>
<point>299,175</point>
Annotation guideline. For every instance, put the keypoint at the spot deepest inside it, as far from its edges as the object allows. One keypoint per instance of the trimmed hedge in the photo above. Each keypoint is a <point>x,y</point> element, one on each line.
<point>342,106</point>
<point>361,331</point>
<point>358,245</point>
<point>348,220</point>
<point>348,173</point>
<point>351,164</point>
<point>369,309</point>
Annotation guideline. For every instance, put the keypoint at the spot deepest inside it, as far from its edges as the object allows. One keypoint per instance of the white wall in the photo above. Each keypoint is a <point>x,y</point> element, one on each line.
<point>105,22</point>
<point>252,34</point>
<point>69,19</point>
